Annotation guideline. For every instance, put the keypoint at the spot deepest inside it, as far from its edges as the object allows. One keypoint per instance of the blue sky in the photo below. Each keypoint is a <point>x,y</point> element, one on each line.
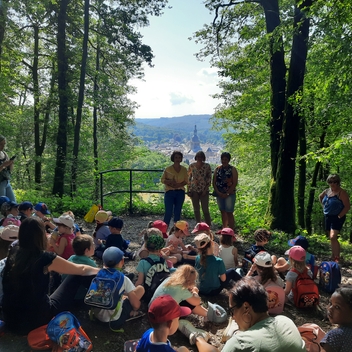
<point>178,84</point>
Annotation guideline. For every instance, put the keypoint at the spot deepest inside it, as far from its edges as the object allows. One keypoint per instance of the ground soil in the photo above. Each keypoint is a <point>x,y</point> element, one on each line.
<point>105,340</point>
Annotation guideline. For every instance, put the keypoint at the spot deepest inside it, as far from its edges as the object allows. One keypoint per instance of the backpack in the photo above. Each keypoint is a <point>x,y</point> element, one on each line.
<point>63,334</point>
<point>329,276</point>
<point>104,290</point>
<point>305,290</point>
<point>156,274</point>
<point>311,334</point>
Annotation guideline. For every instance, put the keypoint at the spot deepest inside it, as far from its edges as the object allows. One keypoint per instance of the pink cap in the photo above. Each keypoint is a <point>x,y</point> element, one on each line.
<point>297,253</point>
<point>227,232</point>
<point>201,226</point>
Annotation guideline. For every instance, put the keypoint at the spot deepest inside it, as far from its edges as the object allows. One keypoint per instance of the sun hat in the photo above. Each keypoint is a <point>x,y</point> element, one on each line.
<point>101,216</point>
<point>112,256</point>
<point>201,226</point>
<point>216,313</point>
<point>299,241</point>
<point>25,206</point>
<point>297,253</point>
<point>116,222</point>
<point>161,225</point>
<point>155,242</point>
<point>42,207</point>
<point>201,240</point>
<point>165,308</point>
<point>227,232</point>
<point>9,233</point>
<point>183,226</point>
<point>263,259</point>
<point>64,220</point>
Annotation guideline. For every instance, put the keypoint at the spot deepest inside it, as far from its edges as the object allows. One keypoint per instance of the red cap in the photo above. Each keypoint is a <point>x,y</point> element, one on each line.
<point>201,226</point>
<point>165,308</point>
<point>162,226</point>
<point>226,231</point>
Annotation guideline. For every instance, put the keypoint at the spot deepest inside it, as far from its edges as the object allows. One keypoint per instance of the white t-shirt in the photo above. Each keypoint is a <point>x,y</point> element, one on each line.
<point>225,253</point>
<point>104,315</point>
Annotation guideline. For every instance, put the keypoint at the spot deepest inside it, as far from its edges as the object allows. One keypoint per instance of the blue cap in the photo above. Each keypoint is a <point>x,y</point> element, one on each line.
<point>25,206</point>
<point>42,207</point>
<point>299,241</point>
<point>4,199</point>
<point>116,222</point>
<point>112,256</point>
<point>13,205</point>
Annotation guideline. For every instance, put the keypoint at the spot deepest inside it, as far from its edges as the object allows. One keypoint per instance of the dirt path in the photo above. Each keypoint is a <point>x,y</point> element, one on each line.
<point>105,340</point>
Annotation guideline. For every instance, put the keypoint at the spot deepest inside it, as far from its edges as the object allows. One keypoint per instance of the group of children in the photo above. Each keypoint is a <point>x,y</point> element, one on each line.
<point>212,268</point>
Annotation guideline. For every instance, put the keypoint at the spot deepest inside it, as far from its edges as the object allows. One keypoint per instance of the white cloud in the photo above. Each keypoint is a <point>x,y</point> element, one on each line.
<point>178,99</point>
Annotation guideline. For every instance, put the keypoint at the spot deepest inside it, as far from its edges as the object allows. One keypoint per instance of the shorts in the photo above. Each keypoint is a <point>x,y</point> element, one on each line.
<point>227,204</point>
<point>332,222</point>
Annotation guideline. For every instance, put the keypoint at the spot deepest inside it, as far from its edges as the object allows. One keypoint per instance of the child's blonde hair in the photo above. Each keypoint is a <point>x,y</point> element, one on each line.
<point>146,233</point>
<point>185,275</point>
<point>298,265</point>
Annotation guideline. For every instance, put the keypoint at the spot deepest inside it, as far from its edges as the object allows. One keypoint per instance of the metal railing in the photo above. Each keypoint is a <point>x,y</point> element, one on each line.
<point>131,190</point>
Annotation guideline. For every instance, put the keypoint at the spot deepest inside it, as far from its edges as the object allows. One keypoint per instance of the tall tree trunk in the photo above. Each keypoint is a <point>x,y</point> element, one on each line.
<point>95,122</point>
<point>302,176</point>
<point>3,20</point>
<point>80,99</point>
<point>61,140</point>
<point>283,206</point>
<point>278,88</point>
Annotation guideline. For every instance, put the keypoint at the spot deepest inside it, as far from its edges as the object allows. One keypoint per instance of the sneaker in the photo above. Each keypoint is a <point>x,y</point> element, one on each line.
<point>192,332</point>
<point>133,255</point>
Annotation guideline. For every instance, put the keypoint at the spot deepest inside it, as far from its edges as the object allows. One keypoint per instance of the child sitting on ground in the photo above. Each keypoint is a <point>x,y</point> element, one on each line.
<point>203,227</point>
<point>227,251</point>
<point>115,238</point>
<point>213,276</point>
<point>283,265</point>
<point>339,312</point>
<point>83,246</point>
<point>128,310</point>
<point>160,225</point>
<point>164,314</point>
<point>154,244</point>
<point>165,251</point>
<point>177,233</point>
<point>261,237</point>
<point>297,256</point>
<point>101,231</point>
<point>61,243</point>
<point>181,286</point>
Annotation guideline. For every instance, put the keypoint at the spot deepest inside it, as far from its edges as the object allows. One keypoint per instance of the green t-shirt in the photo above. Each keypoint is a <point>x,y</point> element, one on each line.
<point>273,334</point>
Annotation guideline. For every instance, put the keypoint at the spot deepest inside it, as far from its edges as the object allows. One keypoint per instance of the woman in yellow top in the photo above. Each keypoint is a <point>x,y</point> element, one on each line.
<point>174,178</point>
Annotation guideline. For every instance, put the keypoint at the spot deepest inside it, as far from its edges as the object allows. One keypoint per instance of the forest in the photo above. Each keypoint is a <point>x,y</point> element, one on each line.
<point>65,72</point>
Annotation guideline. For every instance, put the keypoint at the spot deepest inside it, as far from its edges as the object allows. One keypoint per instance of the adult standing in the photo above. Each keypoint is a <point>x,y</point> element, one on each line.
<point>224,182</point>
<point>174,178</point>
<point>6,166</point>
<point>199,180</point>
<point>336,204</point>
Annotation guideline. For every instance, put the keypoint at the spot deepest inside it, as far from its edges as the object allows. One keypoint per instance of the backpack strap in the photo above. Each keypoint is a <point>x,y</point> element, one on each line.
<point>152,262</point>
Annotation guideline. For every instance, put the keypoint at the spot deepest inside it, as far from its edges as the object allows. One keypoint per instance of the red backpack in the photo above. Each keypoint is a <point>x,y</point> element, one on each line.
<point>305,290</point>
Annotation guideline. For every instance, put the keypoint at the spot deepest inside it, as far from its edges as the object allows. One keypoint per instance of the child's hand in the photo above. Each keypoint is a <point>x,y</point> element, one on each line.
<point>99,241</point>
<point>195,290</point>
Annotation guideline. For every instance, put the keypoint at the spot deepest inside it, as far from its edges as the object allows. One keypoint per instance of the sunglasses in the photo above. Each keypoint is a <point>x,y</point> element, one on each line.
<point>332,181</point>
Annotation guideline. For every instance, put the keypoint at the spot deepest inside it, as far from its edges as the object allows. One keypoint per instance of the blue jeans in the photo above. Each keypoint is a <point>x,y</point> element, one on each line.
<point>173,201</point>
<point>6,190</point>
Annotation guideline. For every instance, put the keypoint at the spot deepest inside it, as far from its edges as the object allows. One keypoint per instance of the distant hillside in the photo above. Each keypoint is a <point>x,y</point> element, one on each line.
<point>165,128</point>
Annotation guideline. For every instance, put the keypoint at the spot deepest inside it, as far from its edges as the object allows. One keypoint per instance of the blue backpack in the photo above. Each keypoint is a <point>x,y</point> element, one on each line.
<point>329,276</point>
<point>104,290</point>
